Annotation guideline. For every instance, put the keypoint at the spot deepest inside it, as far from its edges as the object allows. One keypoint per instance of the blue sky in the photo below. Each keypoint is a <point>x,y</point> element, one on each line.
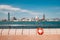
<point>30,8</point>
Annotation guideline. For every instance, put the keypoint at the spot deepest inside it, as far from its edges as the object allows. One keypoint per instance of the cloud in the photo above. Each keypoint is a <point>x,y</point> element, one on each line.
<point>55,8</point>
<point>7,8</point>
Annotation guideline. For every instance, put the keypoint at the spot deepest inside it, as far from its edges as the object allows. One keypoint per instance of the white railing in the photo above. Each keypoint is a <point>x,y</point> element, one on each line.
<point>27,31</point>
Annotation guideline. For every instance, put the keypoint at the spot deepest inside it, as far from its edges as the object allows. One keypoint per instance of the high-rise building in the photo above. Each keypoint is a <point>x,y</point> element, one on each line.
<point>43,16</point>
<point>8,16</point>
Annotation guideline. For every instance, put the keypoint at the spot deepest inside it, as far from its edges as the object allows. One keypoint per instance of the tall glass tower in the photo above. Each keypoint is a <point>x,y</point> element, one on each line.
<point>8,16</point>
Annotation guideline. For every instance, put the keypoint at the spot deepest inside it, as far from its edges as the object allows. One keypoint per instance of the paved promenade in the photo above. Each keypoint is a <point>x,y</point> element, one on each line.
<point>29,34</point>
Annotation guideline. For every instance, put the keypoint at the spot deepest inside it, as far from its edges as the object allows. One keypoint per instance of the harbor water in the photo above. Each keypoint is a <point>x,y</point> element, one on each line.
<point>31,24</point>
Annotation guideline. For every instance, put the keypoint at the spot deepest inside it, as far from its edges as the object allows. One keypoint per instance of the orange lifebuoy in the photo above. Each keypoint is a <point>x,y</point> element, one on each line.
<point>40,31</point>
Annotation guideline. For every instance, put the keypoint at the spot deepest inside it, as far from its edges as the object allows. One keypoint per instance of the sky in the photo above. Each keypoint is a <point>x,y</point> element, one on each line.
<point>30,8</point>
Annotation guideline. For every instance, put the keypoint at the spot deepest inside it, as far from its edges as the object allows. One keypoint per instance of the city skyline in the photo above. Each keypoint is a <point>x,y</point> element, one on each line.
<point>30,8</point>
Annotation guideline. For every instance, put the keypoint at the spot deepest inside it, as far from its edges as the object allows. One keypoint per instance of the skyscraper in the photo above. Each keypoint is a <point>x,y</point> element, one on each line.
<point>43,16</point>
<point>8,16</point>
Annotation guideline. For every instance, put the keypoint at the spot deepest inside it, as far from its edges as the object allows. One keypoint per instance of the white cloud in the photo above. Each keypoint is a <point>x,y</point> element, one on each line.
<point>54,8</point>
<point>57,7</point>
<point>7,8</point>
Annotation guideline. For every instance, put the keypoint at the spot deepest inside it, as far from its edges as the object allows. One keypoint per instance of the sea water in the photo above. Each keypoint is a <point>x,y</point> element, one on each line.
<point>30,24</point>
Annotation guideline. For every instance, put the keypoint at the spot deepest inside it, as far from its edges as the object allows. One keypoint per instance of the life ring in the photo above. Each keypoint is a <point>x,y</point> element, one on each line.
<point>40,31</point>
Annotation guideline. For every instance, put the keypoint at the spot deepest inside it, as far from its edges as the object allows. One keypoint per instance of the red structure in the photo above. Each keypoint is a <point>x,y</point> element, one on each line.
<point>40,31</point>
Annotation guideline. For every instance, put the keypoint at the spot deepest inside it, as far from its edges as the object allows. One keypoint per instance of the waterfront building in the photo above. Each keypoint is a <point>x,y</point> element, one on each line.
<point>8,16</point>
<point>37,18</point>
